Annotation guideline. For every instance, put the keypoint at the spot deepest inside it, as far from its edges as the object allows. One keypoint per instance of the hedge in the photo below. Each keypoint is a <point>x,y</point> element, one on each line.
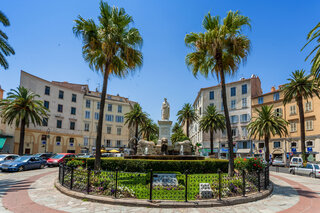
<point>143,165</point>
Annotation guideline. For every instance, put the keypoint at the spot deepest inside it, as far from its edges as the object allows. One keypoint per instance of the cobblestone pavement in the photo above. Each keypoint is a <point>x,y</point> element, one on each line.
<point>291,194</point>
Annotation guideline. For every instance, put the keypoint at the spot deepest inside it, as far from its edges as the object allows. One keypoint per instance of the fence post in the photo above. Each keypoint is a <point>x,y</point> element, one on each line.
<point>62,175</point>
<point>243,183</point>
<point>59,173</point>
<point>88,181</point>
<point>265,178</point>
<point>186,187</point>
<point>258,172</point>
<point>115,192</point>
<point>151,185</point>
<point>219,172</point>
<point>71,180</point>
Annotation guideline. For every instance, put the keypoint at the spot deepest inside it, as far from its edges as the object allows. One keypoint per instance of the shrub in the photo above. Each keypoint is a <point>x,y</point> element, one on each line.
<point>75,163</point>
<point>249,164</point>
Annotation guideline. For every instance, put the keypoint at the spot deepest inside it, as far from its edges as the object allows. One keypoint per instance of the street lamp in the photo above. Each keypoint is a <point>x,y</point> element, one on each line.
<point>47,140</point>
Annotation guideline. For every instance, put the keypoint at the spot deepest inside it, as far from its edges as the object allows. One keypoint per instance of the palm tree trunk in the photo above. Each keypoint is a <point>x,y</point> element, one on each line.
<point>97,162</point>
<point>267,153</point>
<point>22,132</point>
<point>188,128</point>
<point>136,140</point>
<point>211,141</point>
<point>228,124</point>
<point>302,128</point>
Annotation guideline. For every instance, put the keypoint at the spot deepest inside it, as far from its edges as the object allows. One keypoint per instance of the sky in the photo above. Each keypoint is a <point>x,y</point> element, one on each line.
<point>41,34</point>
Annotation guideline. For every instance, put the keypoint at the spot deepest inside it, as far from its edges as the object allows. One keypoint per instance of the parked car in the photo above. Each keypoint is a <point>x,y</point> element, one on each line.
<point>44,156</point>
<point>278,162</point>
<point>311,170</point>
<point>24,163</point>
<point>86,156</point>
<point>5,158</point>
<point>296,161</point>
<point>58,158</point>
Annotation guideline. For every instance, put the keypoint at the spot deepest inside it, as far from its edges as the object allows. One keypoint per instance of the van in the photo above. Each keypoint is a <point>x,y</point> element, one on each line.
<point>296,162</point>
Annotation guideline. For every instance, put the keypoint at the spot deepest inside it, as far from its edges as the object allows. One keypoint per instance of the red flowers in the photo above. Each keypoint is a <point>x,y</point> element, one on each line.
<point>244,159</point>
<point>254,164</point>
<point>255,158</point>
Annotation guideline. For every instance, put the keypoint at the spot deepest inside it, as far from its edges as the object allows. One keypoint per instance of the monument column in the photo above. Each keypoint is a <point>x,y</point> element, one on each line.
<point>165,123</point>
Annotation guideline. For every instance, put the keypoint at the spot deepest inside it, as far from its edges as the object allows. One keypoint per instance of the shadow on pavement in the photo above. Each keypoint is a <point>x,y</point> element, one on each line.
<point>7,185</point>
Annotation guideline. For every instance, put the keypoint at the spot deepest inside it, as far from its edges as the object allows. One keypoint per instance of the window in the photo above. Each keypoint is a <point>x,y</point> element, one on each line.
<point>86,127</point>
<point>278,112</point>
<point>45,122</point>
<point>88,103</point>
<point>107,143</point>
<point>234,119</point>
<point>47,90</point>
<point>276,96</point>
<point>244,88</point>
<point>245,145</point>
<point>98,105</point>
<point>109,129</point>
<point>211,95</point>
<point>260,100</point>
<point>96,127</point>
<point>119,109</point>
<point>110,107</point>
<point>74,98</point>
<point>309,143</point>
<point>59,124</point>
<point>119,119</point>
<point>293,144</point>
<point>212,104</point>
<point>109,117</point>
<point>199,110</point>
<point>118,143</point>
<point>118,131</point>
<point>244,102</point>
<point>85,141</point>
<point>244,118</point>
<point>61,93</point>
<point>109,97</point>
<point>233,91</point>
<point>261,145</point>
<point>293,127</point>
<point>234,132</point>
<point>276,144</point>
<point>244,131</point>
<point>96,115</point>
<point>72,125</point>
<point>58,140</point>
<point>73,110</point>
<point>46,104</point>
<point>233,104</point>
<point>71,141</point>
<point>309,125</point>
<point>222,108</point>
<point>308,106</point>
<point>293,110</point>
<point>60,108</point>
<point>87,114</point>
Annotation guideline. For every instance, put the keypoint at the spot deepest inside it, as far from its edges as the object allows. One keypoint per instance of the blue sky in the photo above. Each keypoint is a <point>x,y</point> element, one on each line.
<point>41,34</point>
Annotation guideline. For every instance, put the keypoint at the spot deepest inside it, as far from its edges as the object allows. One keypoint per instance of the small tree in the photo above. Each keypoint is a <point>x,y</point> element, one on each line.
<point>187,115</point>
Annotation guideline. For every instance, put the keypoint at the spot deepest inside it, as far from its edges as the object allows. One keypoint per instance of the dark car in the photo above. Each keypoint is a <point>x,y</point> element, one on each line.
<point>24,163</point>
<point>44,156</point>
<point>59,158</point>
<point>5,158</point>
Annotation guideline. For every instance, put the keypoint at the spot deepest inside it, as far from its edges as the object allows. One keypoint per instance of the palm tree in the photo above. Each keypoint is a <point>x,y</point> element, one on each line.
<point>6,49</point>
<point>176,128</point>
<point>211,122</point>
<point>135,118</point>
<point>21,107</point>
<point>187,115</point>
<point>267,123</point>
<point>110,47</point>
<point>301,86</point>
<point>314,34</point>
<point>219,51</point>
<point>148,129</point>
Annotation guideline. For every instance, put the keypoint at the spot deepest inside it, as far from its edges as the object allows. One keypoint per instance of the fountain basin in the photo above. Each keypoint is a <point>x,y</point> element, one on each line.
<point>165,157</point>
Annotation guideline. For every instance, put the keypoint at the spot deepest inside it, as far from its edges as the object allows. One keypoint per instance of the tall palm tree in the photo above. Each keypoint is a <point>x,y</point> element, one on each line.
<point>176,128</point>
<point>5,48</point>
<point>22,108</point>
<point>135,118</point>
<point>211,122</point>
<point>187,115</point>
<point>148,129</point>
<point>219,51</point>
<point>110,47</point>
<point>314,34</point>
<point>301,86</point>
<point>267,123</point>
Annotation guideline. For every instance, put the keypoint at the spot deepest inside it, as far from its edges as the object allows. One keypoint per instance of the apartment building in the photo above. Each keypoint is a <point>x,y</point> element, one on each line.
<point>239,95</point>
<point>290,145</point>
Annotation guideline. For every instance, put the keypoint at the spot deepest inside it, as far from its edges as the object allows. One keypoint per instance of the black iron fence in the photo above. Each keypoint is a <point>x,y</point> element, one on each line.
<point>163,186</point>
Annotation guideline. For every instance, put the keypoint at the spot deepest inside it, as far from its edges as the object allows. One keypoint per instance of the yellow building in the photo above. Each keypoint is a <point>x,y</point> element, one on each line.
<point>290,145</point>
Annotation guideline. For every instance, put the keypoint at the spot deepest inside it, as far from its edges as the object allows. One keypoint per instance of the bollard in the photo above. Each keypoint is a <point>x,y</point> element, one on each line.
<point>62,183</point>
<point>186,187</point>
<point>243,183</point>
<point>259,189</point>
<point>115,191</point>
<point>71,180</point>
<point>151,183</point>
<point>219,171</point>
<point>88,181</point>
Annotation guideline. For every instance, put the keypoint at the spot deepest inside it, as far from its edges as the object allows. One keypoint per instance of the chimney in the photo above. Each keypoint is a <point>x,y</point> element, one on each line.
<point>1,93</point>
<point>273,89</point>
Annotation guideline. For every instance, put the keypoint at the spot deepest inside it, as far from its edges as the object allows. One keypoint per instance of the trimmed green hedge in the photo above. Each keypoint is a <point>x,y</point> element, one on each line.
<point>143,165</point>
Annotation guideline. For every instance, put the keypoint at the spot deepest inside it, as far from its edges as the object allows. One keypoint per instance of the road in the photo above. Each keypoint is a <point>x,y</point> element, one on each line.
<point>278,169</point>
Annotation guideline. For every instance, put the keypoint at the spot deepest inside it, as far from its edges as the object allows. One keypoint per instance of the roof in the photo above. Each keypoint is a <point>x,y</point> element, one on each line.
<point>77,87</point>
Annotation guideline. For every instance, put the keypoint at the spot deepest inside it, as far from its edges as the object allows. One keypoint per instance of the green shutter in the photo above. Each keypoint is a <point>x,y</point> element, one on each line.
<point>2,142</point>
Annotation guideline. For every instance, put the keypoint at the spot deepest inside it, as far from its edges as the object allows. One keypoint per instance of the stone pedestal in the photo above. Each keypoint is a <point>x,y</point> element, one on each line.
<point>165,130</point>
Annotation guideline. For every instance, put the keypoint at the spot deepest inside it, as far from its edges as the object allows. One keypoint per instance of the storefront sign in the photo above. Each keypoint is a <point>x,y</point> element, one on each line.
<point>309,149</point>
<point>294,150</point>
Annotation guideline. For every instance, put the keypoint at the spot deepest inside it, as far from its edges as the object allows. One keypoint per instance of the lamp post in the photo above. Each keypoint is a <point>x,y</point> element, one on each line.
<point>47,140</point>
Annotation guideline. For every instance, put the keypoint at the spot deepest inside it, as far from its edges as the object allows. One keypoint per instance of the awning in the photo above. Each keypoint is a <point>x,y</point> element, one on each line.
<point>277,152</point>
<point>243,151</point>
<point>114,151</point>
<point>2,142</point>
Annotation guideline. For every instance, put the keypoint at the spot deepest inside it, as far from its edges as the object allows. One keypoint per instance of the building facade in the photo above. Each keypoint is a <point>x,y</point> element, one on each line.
<point>239,95</point>
<point>290,145</point>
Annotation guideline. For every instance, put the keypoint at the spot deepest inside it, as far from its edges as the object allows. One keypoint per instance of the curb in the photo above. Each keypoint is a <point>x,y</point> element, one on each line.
<point>165,204</point>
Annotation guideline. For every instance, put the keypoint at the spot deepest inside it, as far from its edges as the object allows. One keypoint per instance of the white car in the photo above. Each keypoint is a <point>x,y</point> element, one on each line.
<point>311,170</point>
<point>296,162</point>
<point>278,162</point>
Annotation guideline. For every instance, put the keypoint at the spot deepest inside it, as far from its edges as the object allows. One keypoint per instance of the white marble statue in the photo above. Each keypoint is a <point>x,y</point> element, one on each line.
<point>165,111</point>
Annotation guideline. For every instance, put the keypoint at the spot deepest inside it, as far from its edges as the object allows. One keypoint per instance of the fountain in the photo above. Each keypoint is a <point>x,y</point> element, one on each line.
<point>146,151</point>
<point>181,150</point>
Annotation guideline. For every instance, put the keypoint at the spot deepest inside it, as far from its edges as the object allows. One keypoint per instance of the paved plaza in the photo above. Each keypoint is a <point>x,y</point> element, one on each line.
<point>33,191</point>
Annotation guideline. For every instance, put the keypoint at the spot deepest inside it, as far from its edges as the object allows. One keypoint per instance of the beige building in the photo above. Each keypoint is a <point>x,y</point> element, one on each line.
<point>290,145</point>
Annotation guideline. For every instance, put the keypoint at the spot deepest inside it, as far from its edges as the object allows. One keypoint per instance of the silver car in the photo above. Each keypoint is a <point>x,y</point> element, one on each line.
<point>278,162</point>
<point>311,170</point>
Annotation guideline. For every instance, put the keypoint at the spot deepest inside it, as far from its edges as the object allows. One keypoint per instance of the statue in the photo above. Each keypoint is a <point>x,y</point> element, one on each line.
<point>145,147</point>
<point>165,110</point>
<point>164,146</point>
